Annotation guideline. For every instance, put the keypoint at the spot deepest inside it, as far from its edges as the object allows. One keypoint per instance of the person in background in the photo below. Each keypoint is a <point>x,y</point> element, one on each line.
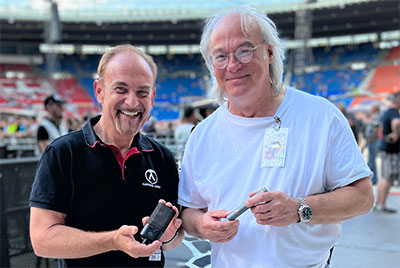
<point>351,119</point>
<point>95,188</point>
<point>32,127</point>
<point>52,125</point>
<point>299,146</point>
<point>183,130</point>
<point>372,139</point>
<point>149,128</point>
<point>390,153</point>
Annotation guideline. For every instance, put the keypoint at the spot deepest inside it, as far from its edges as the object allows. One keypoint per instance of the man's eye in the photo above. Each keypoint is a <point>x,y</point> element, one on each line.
<point>143,94</point>
<point>244,51</point>
<point>120,89</point>
<point>220,57</point>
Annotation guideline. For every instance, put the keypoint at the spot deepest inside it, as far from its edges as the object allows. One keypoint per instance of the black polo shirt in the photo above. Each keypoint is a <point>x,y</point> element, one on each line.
<point>99,190</point>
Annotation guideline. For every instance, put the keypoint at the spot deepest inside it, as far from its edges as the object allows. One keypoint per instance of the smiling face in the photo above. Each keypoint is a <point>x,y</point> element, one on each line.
<point>242,83</point>
<point>126,93</point>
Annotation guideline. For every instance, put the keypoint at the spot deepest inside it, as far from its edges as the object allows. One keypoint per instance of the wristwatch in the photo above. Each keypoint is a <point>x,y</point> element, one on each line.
<point>304,211</point>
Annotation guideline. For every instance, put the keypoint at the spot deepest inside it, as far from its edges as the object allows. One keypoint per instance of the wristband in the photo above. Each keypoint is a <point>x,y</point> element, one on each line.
<point>169,241</point>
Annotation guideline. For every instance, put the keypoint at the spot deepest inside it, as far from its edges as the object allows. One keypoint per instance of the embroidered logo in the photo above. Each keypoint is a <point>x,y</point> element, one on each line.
<point>151,176</point>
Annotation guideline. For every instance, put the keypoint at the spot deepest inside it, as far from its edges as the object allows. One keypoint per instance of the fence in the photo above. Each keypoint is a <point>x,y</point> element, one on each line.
<point>16,177</point>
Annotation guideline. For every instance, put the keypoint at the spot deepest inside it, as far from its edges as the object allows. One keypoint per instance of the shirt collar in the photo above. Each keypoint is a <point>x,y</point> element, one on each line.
<point>140,141</point>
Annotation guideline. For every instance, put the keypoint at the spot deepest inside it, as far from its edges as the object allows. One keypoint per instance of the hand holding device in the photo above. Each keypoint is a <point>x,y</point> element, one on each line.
<point>157,223</point>
<point>240,210</point>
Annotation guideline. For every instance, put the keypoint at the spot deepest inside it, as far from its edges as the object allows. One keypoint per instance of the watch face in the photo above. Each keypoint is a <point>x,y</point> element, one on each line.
<point>307,213</point>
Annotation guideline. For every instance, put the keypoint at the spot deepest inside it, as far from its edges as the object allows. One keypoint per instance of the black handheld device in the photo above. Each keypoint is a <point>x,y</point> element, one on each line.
<point>157,223</point>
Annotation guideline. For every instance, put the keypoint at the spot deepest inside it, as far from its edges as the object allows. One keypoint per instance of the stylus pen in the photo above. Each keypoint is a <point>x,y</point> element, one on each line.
<point>240,210</point>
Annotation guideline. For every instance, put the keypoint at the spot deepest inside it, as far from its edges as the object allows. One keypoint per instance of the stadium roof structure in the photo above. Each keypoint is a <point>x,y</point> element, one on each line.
<point>100,11</point>
<point>180,22</point>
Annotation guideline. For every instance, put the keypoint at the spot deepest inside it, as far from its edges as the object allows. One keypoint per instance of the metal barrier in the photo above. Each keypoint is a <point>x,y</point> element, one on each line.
<point>16,178</point>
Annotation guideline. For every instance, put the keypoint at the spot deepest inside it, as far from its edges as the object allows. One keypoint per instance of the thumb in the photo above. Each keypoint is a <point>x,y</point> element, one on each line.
<point>129,230</point>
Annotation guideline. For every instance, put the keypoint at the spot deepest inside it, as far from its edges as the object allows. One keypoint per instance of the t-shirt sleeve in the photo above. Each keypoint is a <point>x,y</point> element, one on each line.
<point>345,163</point>
<point>42,134</point>
<point>50,189</point>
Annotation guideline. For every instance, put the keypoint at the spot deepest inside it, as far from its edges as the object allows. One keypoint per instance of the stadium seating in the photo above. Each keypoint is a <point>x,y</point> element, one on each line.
<point>385,79</point>
<point>387,76</point>
<point>181,76</point>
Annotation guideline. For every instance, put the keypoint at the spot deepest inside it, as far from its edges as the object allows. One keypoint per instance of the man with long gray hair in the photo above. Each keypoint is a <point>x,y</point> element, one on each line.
<point>263,135</point>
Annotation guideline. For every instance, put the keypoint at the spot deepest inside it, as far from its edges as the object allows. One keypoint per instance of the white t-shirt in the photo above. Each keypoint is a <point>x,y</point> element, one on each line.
<point>52,130</point>
<point>182,133</point>
<point>222,165</point>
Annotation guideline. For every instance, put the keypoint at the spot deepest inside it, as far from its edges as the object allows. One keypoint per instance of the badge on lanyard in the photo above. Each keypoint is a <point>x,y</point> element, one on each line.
<point>156,256</point>
<point>274,147</point>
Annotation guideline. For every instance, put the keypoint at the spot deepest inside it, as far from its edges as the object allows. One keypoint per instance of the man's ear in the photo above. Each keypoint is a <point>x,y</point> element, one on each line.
<point>153,95</point>
<point>270,50</point>
<point>98,91</point>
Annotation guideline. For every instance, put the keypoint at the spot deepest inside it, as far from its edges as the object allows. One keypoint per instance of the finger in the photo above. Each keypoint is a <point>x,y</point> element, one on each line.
<point>142,250</point>
<point>145,220</point>
<point>218,213</point>
<point>260,208</point>
<point>225,227</point>
<point>260,198</point>
<point>224,236</point>
<point>178,223</point>
<point>176,210</point>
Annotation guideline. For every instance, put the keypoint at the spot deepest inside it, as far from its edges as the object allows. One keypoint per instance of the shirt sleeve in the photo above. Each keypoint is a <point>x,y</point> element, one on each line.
<point>42,134</point>
<point>345,163</point>
<point>50,189</point>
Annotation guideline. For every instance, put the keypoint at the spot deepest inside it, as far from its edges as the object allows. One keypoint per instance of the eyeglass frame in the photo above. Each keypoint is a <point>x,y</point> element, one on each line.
<point>235,56</point>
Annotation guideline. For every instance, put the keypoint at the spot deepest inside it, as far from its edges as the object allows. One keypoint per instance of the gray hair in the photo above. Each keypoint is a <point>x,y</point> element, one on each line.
<point>268,32</point>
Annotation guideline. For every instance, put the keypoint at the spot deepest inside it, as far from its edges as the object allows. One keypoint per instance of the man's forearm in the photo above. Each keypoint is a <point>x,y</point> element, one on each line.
<point>62,241</point>
<point>190,218</point>
<point>342,204</point>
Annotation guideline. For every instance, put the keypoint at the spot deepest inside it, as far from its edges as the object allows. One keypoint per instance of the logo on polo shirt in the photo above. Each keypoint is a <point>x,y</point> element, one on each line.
<point>151,177</point>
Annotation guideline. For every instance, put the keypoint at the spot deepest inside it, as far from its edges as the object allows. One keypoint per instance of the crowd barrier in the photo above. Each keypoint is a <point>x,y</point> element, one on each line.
<point>16,177</point>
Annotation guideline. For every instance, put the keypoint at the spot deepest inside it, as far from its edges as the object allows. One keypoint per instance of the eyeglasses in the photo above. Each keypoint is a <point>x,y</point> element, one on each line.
<point>243,54</point>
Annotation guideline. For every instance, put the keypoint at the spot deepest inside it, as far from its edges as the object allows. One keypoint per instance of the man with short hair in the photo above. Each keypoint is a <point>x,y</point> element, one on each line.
<point>300,147</point>
<point>95,188</point>
<point>52,125</point>
<point>390,153</point>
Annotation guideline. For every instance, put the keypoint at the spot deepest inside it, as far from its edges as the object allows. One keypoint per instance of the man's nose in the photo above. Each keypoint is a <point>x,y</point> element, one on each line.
<point>132,100</point>
<point>233,64</point>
